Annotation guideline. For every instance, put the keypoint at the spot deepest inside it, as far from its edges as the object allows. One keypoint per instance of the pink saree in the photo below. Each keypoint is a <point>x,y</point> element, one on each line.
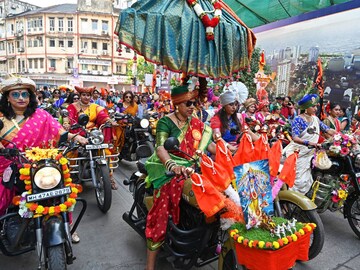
<point>41,130</point>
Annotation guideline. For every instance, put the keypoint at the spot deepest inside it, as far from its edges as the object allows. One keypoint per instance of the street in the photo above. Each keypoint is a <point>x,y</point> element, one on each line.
<point>107,242</point>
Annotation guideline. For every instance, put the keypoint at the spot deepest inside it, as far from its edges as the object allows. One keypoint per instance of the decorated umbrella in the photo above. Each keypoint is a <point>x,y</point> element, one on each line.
<point>203,38</point>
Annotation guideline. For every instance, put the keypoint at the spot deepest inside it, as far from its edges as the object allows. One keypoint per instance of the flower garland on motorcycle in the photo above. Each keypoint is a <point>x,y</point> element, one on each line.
<point>33,209</point>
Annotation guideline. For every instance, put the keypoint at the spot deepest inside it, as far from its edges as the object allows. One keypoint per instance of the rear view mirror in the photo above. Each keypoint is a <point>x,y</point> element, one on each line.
<point>83,119</point>
<point>171,143</point>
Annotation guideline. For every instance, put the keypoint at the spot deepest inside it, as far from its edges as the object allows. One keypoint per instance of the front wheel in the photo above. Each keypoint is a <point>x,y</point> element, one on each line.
<point>56,258</point>
<point>291,210</point>
<point>103,189</point>
<point>352,213</point>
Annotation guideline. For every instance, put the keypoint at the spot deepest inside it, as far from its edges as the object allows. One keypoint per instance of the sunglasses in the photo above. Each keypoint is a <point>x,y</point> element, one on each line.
<point>189,103</point>
<point>16,95</point>
<point>76,98</point>
<point>128,97</point>
<point>56,93</point>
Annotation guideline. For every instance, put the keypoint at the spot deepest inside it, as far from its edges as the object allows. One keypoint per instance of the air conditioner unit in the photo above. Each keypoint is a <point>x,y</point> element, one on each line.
<point>89,72</point>
<point>70,70</point>
<point>24,70</point>
<point>104,32</point>
<point>21,49</point>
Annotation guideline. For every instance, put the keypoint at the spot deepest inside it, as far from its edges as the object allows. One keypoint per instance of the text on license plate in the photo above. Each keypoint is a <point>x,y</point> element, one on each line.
<point>96,146</point>
<point>48,194</point>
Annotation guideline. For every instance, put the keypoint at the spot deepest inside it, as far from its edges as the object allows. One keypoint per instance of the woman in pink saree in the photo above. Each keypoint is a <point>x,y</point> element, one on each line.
<point>24,125</point>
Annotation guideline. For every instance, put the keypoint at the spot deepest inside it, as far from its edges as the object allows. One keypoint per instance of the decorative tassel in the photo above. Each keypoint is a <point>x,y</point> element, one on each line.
<point>276,188</point>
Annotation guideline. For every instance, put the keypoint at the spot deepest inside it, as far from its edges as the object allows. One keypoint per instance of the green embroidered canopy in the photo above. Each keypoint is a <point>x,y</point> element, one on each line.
<point>179,35</point>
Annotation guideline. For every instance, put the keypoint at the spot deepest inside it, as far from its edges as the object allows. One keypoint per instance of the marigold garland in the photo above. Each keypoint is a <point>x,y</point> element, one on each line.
<point>209,24</point>
<point>307,228</point>
<point>28,210</point>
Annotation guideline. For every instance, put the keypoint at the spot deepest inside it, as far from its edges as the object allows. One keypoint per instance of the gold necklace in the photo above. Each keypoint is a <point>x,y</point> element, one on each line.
<point>180,122</point>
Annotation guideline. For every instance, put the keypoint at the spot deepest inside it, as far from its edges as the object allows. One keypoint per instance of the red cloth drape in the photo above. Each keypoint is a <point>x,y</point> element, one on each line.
<point>274,158</point>
<point>216,173</point>
<point>209,199</point>
<point>245,152</point>
<point>281,259</point>
<point>288,172</point>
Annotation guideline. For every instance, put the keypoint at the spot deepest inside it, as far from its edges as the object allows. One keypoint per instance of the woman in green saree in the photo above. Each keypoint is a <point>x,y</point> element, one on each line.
<point>193,135</point>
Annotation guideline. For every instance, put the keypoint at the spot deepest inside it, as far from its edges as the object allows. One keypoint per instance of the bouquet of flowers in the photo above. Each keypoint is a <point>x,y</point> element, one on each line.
<point>343,144</point>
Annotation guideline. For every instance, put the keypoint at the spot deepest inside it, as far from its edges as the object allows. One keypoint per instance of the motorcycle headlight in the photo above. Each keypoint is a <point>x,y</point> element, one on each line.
<point>144,123</point>
<point>47,178</point>
<point>96,136</point>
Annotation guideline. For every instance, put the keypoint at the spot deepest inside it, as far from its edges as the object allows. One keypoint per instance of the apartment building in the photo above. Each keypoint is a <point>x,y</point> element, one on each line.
<point>65,44</point>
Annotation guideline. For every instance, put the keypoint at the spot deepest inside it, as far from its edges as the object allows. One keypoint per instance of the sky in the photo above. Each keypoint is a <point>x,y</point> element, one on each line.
<point>43,3</point>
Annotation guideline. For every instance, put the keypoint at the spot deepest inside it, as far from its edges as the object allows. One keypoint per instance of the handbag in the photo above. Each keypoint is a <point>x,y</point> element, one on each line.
<point>322,161</point>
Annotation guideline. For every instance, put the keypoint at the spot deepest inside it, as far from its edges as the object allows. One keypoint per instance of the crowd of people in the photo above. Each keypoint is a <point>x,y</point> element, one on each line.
<point>195,122</point>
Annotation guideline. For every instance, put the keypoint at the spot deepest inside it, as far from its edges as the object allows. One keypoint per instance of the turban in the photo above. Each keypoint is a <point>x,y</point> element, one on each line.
<point>180,94</point>
<point>308,101</point>
<point>227,97</point>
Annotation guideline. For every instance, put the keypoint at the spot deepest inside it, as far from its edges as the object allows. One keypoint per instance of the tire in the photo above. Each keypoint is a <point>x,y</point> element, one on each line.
<point>291,210</point>
<point>103,191</point>
<point>352,213</point>
<point>56,258</point>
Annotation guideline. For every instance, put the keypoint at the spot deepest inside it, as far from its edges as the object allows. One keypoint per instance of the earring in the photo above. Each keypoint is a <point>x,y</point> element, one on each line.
<point>177,109</point>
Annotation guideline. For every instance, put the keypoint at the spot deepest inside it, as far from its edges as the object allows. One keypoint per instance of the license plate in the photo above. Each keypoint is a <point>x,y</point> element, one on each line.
<point>48,194</point>
<point>96,146</point>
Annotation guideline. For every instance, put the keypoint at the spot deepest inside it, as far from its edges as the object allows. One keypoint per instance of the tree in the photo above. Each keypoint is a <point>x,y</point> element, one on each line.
<point>142,68</point>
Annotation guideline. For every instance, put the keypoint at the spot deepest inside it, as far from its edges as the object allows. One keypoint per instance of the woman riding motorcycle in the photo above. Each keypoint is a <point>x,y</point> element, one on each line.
<point>97,116</point>
<point>24,125</point>
<point>193,135</point>
<point>305,130</point>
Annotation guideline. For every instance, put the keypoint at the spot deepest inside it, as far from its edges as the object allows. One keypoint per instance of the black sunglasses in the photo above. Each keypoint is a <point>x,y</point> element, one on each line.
<point>189,103</point>
<point>75,98</point>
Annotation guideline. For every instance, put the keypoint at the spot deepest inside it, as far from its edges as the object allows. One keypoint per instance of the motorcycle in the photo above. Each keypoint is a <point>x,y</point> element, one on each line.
<point>337,188</point>
<point>39,217</point>
<point>136,133</point>
<point>92,163</point>
<point>196,241</point>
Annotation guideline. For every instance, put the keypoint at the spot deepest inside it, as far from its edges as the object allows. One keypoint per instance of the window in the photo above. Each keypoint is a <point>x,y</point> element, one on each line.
<point>29,43</point>
<point>36,64</point>
<point>105,26</point>
<point>61,24</point>
<point>70,26</point>
<point>84,67</point>
<point>2,46</point>
<point>52,43</point>
<point>53,63</point>
<point>94,45</point>
<point>104,46</point>
<point>69,63</point>
<point>61,43</point>
<point>35,42</point>
<point>118,68</point>
<point>52,24</point>
<point>41,60</point>
<point>127,50</point>
<point>84,26</point>
<point>30,63</point>
<point>41,44</point>
<point>70,43</point>
<point>105,68</point>
<point>94,25</point>
<point>94,67</point>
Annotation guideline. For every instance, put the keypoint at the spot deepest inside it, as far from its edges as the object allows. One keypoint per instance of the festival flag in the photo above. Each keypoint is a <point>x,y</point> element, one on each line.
<point>319,85</point>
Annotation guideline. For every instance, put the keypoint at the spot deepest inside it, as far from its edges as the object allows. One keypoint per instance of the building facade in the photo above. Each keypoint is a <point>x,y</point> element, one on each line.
<point>65,44</point>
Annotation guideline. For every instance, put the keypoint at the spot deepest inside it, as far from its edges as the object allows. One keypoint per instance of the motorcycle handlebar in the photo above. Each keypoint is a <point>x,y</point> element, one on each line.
<point>9,152</point>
